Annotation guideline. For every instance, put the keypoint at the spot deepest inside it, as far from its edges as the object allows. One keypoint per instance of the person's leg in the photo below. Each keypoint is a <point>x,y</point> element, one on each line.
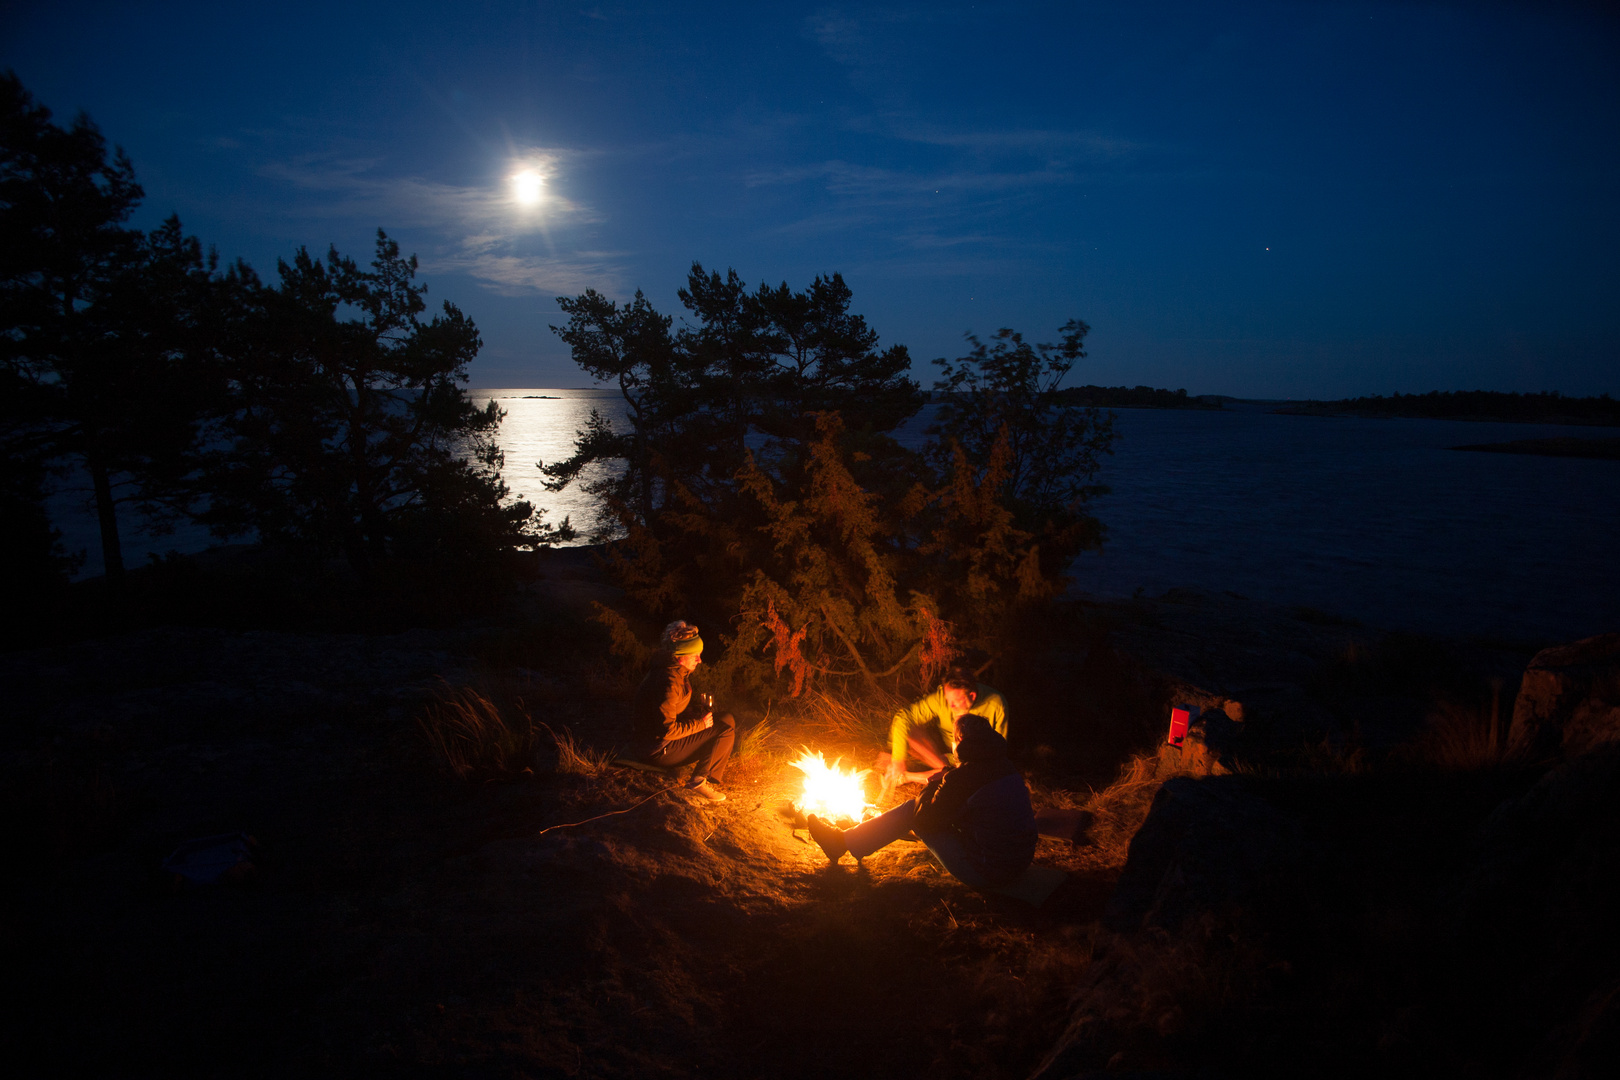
<point>697,747</point>
<point>723,736</point>
<point>948,849</point>
<point>882,830</point>
<point>680,751</point>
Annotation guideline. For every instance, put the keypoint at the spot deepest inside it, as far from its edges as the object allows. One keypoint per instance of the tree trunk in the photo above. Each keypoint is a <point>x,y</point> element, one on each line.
<point>112,552</point>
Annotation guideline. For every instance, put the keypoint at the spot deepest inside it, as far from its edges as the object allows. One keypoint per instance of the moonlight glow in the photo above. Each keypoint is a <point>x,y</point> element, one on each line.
<point>526,187</point>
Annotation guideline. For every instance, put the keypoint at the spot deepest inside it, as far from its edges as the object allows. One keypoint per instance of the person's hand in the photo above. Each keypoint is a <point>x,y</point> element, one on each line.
<point>896,774</point>
<point>708,721</point>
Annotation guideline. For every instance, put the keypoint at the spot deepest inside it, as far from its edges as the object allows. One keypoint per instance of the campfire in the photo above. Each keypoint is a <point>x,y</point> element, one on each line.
<point>831,793</point>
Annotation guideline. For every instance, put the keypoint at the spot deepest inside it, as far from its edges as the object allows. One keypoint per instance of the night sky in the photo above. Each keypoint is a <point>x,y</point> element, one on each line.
<point>1267,200</point>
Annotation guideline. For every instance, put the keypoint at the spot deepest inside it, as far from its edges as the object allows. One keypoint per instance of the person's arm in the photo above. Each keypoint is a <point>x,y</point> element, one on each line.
<point>918,712</point>
<point>947,792</point>
<point>677,695</point>
<point>680,729</point>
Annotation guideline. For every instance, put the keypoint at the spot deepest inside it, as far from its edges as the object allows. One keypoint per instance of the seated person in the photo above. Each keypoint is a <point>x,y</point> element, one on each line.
<point>925,730</point>
<point>975,818</point>
<point>666,734</point>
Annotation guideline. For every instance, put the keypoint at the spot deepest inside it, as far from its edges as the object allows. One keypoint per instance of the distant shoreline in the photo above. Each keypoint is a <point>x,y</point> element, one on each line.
<point>1564,446</point>
<point>1471,405</point>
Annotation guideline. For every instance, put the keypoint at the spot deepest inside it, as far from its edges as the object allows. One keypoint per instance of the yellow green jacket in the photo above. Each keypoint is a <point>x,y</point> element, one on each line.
<point>933,710</point>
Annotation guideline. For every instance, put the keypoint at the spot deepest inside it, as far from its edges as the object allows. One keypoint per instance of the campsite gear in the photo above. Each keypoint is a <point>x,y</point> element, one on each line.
<point>1180,717</point>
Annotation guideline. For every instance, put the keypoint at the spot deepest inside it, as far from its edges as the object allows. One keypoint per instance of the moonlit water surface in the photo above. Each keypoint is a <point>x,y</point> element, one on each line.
<point>540,425</point>
<point>1373,519</point>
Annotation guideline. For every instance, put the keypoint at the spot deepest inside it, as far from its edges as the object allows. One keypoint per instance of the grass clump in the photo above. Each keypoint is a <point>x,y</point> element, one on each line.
<point>1465,735</point>
<point>574,757</point>
<point>475,734</point>
<point>472,736</point>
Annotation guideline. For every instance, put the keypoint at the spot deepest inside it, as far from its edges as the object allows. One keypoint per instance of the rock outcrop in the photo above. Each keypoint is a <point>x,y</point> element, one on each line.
<point>1207,845</point>
<point>1569,701</point>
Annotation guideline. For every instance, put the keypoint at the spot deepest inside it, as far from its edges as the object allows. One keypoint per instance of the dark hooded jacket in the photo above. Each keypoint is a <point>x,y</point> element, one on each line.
<point>984,801</point>
<point>660,702</point>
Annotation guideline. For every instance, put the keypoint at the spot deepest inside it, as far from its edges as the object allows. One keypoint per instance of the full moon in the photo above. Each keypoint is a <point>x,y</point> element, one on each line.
<point>526,186</point>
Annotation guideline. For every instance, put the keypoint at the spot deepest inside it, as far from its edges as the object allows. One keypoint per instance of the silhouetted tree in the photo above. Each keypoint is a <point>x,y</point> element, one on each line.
<point>1006,395</point>
<point>753,366</point>
<point>35,565</point>
<point>349,428</point>
<point>763,493</point>
<point>630,346</point>
<point>95,316</point>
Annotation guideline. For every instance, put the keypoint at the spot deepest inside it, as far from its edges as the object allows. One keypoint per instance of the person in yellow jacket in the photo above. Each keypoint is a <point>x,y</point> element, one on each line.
<point>924,732</point>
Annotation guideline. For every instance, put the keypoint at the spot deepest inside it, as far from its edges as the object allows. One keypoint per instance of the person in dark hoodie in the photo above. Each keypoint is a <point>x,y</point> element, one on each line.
<point>975,818</point>
<point>668,729</point>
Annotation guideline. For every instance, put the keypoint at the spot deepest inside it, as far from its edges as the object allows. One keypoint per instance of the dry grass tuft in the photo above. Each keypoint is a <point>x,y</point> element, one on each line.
<point>1119,809</point>
<point>839,722</point>
<point>1463,737</point>
<point>473,736</point>
<point>56,806</point>
<point>762,741</point>
<point>575,757</point>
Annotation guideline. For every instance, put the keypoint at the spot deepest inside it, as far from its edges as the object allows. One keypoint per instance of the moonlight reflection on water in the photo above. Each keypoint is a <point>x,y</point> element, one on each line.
<point>1378,520</point>
<point>540,425</point>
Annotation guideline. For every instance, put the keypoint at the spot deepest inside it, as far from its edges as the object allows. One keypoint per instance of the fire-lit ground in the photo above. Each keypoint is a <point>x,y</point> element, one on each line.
<point>400,922</point>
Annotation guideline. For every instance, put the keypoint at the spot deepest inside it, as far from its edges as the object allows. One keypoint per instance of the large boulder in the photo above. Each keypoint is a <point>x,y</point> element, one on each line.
<point>1208,845</point>
<point>1532,917</point>
<point>1569,701</point>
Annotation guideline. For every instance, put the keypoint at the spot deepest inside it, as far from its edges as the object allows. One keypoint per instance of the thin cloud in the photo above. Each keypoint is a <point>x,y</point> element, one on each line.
<point>1090,144</point>
<point>525,275</point>
<point>868,182</point>
<point>425,203</point>
<point>481,227</point>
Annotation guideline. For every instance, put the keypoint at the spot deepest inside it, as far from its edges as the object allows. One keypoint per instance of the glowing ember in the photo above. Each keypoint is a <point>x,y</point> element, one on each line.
<point>831,793</point>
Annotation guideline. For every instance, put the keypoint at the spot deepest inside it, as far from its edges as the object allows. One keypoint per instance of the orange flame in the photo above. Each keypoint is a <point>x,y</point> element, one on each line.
<point>830,792</point>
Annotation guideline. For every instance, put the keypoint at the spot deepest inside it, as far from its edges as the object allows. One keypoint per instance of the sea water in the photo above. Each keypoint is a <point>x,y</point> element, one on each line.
<point>1375,520</point>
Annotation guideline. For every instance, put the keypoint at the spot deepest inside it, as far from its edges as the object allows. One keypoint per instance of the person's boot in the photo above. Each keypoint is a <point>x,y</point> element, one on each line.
<point>701,787</point>
<point>829,838</point>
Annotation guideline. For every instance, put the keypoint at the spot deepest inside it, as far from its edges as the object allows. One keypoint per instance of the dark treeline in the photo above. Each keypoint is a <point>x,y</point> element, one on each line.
<point>322,413</point>
<point>1137,397</point>
<point>1547,408</point>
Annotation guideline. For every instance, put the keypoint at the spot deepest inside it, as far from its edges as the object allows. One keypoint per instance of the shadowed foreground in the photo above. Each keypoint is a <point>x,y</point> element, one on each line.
<point>401,923</point>
<point>1382,884</point>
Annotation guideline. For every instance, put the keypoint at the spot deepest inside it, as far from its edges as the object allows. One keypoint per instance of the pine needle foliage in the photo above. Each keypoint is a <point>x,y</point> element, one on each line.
<point>757,489</point>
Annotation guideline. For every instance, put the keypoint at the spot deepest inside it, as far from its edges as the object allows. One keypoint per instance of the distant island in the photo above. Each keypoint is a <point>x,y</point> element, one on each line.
<point>1548,408</point>
<point>1566,446</point>
<point>1138,397</point>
